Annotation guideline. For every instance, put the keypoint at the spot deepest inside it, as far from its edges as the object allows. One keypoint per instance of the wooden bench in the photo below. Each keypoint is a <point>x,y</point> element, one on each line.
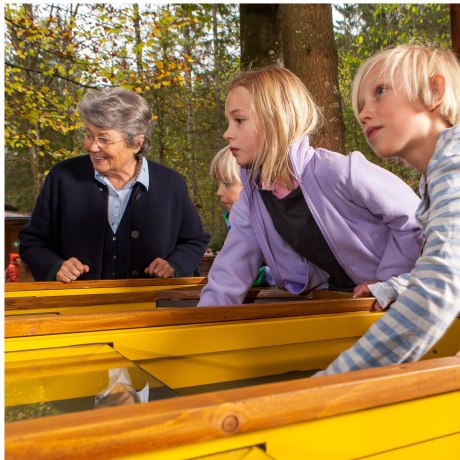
<point>410,411</point>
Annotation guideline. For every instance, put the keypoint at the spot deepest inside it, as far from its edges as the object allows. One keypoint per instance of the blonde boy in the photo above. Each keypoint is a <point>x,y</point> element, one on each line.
<point>407,100</point>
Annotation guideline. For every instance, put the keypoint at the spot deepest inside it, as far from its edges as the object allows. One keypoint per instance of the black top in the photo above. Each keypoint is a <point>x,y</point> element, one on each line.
<point>295,223</point>
<point>70,220</point>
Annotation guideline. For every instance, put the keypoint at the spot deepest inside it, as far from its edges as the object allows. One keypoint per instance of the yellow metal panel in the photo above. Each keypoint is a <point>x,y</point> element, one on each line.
<point>86,291</point>
<point>187,356</point>
<point>63,310</point>
<point>248,453</point>
<point>422,425</point>
<point>158,342</point>
<point>63,373</point>
<point>371,431</point>
<point>446,448</point>
<point>95,292</point>
<point>54,374</point>
<point>209,368</point>
<point>151,342</point>
<point>209,353</point>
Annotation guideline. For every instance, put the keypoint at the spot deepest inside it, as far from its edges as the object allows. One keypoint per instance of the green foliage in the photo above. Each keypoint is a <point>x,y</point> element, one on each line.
<point>29,411</point>
<point>178,57</point>
<point>366,28</point>
<point>174,55</point>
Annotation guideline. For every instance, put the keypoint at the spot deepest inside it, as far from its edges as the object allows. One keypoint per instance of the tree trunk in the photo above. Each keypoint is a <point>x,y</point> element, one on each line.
<point>260,35</point>
<point>309,51</point>
<point>189,118</point>
<point>137,32</point>
<point>219,108</point>
<point>455,28</point>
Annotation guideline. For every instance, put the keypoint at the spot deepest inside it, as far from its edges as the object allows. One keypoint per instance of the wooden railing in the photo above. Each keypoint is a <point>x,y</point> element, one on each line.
<point>173,292</point>
<point>190,295</point>
<point>53,294</point>
<point>161,425</point>
<point>92,284</point>
<point>58,324</point>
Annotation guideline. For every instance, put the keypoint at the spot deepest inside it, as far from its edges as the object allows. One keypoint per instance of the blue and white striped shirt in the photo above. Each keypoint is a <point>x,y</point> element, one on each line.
<point>427,299</point>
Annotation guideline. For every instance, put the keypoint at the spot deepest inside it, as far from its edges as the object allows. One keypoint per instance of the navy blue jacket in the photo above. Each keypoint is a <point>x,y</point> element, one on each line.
<point>70,219</point>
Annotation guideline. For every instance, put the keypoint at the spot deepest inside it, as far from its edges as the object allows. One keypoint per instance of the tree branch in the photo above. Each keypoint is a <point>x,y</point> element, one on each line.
<point>55,73</point>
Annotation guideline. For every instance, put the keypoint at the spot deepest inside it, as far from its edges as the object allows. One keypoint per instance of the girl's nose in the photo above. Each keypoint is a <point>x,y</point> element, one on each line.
<point>226,134</point>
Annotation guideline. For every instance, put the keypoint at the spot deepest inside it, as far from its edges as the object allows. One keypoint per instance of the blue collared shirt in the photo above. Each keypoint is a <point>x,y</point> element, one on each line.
<point>118,199</point>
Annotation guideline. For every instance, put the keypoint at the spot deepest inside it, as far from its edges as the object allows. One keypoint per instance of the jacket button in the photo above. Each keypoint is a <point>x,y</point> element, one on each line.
<point>134,234</point>
<point>134,273</point>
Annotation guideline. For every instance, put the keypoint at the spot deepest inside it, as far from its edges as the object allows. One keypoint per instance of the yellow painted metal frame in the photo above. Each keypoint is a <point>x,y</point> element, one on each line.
<point>96,289</point>
<point>400,431</point>
<point>35,376</point>
<point>122,285</point>
<point>427,428</point>
<point>73,310</point>
<point>208,353</point>
<point>137,294</point>
<point>386,413</point>
<point>57,370</point>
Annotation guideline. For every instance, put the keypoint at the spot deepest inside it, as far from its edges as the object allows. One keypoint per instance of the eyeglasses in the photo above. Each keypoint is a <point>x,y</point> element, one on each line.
<point>101,141</point>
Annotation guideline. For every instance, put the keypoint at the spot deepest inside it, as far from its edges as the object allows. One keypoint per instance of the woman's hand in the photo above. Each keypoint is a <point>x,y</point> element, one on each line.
<point>362,290</point>
<point>70,270</point>
<point>160,268</point>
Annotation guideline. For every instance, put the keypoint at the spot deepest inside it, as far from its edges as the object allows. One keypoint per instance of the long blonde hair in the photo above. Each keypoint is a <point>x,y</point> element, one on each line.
<point>415,66</point>
<point>284,109</point>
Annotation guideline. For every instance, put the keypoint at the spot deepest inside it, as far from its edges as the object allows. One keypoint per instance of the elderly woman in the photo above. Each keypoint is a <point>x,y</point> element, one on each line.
<point>112,213</point>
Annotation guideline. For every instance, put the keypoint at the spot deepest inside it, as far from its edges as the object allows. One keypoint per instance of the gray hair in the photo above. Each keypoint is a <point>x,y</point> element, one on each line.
<point>119,109</point>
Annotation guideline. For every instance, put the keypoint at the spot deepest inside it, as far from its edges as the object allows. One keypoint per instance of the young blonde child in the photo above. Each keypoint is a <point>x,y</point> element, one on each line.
<point>320,219</point>
<point>407,101</point>
<point>226,172</point>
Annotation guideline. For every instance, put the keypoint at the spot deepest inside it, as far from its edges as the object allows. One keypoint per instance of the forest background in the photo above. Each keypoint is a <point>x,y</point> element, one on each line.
<point>179,58</point>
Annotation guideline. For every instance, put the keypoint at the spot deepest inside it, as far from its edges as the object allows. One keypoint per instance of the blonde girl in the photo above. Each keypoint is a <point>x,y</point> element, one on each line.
<point>320,219</point>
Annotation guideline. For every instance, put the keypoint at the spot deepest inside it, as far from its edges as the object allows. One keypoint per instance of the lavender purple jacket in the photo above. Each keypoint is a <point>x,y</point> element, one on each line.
<point>366,214</point>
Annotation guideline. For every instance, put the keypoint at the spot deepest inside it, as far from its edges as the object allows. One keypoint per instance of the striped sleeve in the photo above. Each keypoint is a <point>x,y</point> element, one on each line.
<point>428,306</point>
<point>388,291</point>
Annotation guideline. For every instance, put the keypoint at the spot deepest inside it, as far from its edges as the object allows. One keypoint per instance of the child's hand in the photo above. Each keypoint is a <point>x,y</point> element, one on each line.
<point>362,290</point>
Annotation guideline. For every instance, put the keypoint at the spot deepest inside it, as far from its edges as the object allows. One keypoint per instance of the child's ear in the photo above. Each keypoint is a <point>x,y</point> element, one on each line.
<point>438,88</point>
